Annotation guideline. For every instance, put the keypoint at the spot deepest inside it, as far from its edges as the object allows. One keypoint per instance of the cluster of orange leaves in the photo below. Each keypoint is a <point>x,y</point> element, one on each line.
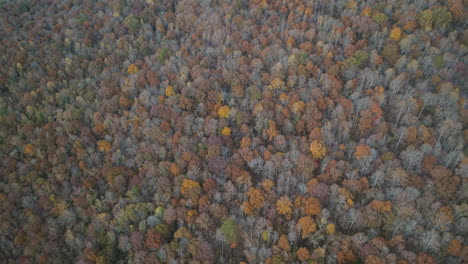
<point>104,145</point>
<point>381,206</point>
<point>277,83</point>
<point>267,185</point>
<point>283,243</point>
<point>310,205</point>
<point>362,151</point>
<point>372,259</point>
<point>303,254</point>
<point>271,131</point>
<point>298,107</point>
<point>346,257</point>
<point>307,225</point>
<point>175,170</point>
<point>256,198</point>
<point>29,149</point>
<point>456,248</point>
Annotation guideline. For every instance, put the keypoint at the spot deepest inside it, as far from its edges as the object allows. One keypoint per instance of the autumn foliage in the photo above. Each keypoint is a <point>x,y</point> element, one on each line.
<point>283,205</point>
<point>362,151</point>
<point>381,206</point>
<point>307,226</point>
<point>233,131</point>
<point>317,149</point>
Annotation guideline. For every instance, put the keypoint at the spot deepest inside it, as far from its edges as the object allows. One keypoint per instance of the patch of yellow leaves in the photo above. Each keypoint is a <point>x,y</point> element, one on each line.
<point>169,91</point>
<point>189,185</point>
<point>318,149</point>
<point>104,145</point>
<point>395,34</point>
<point>223,111</point>
<point>226,131</point>
<point>132,69</point>
<point>283,205</point>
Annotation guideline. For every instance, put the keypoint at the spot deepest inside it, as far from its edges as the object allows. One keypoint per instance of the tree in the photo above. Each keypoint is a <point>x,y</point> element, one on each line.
<point>362,151</point>
<point>223,111</point>
<point>411,158</point>
<point>317,149</point>
<point>372,259</point>
<point>425,19</point>
<point>303,254</point>
<point>307,226</point>
<point>283,243</point>
<point>312,206</point>
<point>381,206</point>
<point>230,231</point>
<point>283,206</point>
<point>454,248</point>
<point>380,18</point>
<point>391,53</point>
<point>256,198</point>
<point>190,188</point>
<point>132,24</point>
<point>226,131</point>
<point>395,34</point>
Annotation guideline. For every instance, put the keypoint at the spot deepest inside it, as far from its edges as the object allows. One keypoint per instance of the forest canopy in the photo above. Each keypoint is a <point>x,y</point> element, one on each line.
<point>233,131</point>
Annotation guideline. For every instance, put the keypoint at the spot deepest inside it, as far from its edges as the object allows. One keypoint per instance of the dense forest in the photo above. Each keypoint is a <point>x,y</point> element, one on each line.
<point>233,131</point>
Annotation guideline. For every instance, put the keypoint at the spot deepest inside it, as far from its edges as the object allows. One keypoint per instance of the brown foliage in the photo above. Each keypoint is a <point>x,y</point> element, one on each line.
<point>271,131</point>
<point>446,184</point>
<point>345,257</point>
<point>303,254</point>
<point>454,248</point>
<point>374,260</point>
<point>283,243</point>
<point>153,240</point>
<point>424,258</point>
<point>256,198</point>
<point>428,163</point>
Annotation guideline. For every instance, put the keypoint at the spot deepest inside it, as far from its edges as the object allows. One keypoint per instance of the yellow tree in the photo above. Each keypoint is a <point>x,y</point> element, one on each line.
<point>223,111</point>
<point>283,206</point>
<point>317,149</point>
